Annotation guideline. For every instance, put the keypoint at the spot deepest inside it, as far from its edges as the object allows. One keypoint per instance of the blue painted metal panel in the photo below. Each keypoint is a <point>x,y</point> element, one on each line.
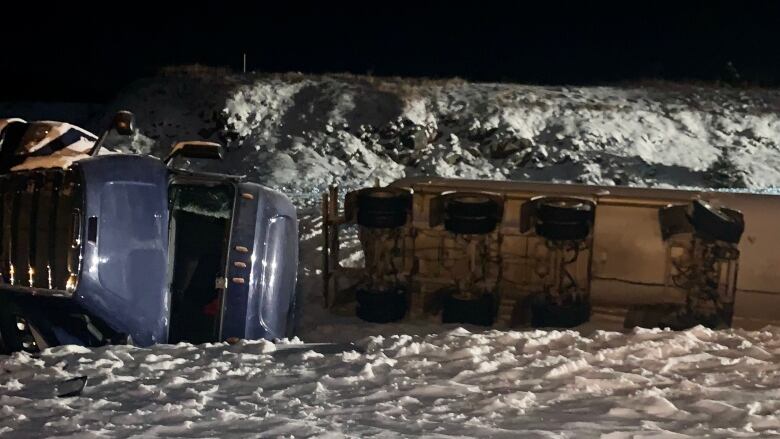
<point>124,273</point>
<point>265,225</point>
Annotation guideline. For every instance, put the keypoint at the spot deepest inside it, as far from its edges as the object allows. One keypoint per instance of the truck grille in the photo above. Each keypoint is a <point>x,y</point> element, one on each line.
<point>41,230</point>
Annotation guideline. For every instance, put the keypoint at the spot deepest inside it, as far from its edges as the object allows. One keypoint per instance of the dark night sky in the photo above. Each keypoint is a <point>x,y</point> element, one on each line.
<point>60,54</point>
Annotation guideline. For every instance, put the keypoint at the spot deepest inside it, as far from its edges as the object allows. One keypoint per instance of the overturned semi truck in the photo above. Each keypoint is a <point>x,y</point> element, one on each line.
<point>531,254</point>
<point>124,248</point>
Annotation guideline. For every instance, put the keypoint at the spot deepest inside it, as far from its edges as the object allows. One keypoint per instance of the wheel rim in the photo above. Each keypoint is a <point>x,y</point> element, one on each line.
<point>472,199</point>
<point>383,193</point>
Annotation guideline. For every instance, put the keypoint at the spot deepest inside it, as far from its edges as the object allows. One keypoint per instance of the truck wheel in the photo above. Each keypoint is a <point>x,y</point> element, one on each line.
<point>564,210</point>
<point>481,311</point>
<point>568,315</point>
<point>563,231</point>
<point>719,223</point>
<point>5,348</point>
<point>381,306</point>
<point>8,338</point>
<point>563,219</point>
<point>470,214</point>
<point>383,208</point>
<point>15,334</point>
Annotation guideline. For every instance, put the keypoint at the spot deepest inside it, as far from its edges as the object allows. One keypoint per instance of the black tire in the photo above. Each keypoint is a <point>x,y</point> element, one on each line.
<point>383,208</point>
<point>563,231</point>
<point>11,339</point>
<point>564,210</point>
<point>481,311</point>
<point>471,214</point>
<point>381,220</point>
<point>381,306</point>
<point>545,314</point>
<point>471,206</point>
<point>5,348</point>
<point>470,226</point>
<point>717,223</point>
<point>8,339</point>
<point>563,219</point>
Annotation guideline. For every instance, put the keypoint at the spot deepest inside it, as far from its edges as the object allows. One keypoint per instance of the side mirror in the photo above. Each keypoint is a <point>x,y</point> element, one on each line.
<point>124,122</point>
<point>196,149</point>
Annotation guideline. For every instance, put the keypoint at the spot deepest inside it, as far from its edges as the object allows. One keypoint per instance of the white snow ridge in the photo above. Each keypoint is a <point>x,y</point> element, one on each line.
<point>453,384</point>
<point>301,133</point>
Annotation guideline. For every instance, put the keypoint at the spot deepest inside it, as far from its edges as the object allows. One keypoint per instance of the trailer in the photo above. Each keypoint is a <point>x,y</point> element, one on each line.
<point>533,254</point>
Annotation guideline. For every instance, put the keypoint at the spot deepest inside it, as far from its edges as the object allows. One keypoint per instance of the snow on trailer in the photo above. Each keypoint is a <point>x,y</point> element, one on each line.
<point>519,254</point>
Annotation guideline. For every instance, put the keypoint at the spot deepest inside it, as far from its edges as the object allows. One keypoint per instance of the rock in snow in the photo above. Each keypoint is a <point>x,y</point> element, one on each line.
<point>301,133</point>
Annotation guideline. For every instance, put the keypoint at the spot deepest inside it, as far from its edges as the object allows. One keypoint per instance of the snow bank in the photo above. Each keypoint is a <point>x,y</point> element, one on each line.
<point>300,133</point>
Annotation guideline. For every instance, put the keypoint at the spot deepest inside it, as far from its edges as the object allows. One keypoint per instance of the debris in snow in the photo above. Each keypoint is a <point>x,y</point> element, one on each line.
<point>71,387</point>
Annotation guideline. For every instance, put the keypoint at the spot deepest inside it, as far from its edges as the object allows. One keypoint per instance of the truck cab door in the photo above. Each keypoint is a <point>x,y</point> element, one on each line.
<point>262,265</point>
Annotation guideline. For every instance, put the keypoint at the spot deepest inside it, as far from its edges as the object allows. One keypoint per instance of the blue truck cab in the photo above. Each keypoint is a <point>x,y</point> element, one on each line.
<point>123,248</point>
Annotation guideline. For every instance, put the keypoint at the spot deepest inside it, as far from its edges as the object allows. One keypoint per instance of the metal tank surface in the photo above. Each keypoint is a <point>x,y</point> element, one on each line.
<point>123,248</point>
<point>532,254</point>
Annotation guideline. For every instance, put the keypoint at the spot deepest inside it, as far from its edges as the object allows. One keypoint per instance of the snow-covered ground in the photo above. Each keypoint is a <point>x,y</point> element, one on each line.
<point>452,384</point>
<point>300,133</point>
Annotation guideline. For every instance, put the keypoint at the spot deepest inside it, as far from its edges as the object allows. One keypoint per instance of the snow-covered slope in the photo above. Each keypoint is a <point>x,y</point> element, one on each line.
<point>301,133</point>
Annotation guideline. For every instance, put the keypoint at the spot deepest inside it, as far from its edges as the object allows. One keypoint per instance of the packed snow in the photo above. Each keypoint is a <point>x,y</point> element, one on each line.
<point>299,134</point>
<point>455,383</point>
